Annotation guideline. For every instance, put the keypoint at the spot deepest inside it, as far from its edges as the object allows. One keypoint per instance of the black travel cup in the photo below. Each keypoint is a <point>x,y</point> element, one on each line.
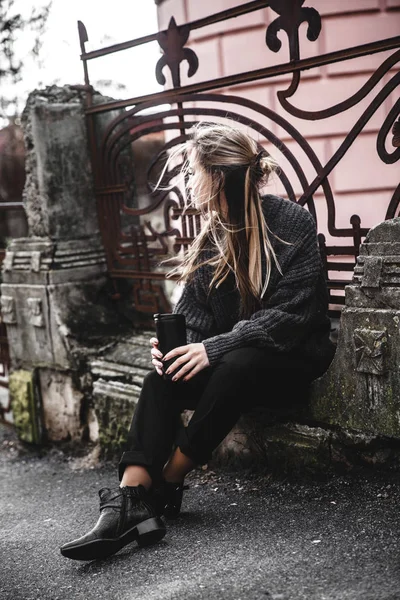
<point>171,333</point>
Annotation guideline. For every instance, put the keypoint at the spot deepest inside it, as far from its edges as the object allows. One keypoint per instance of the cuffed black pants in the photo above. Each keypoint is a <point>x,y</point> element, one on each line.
<point>242,380</point>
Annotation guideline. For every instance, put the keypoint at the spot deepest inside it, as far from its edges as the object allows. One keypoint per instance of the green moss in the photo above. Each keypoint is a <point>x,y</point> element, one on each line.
<point>329,402</point>
<point>389,418</point>
<point>114,418</point>
<point>25,406</point>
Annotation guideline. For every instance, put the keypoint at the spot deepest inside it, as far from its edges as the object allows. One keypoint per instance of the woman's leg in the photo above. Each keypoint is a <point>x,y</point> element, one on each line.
<point>136,475</point>
<point>128,513</point>
<point>155,424</point>
<point>177,467</point>
<point>242,380</point>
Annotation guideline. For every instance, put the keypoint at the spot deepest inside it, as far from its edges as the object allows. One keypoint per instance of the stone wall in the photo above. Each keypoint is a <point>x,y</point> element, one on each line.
<point>55,293</point>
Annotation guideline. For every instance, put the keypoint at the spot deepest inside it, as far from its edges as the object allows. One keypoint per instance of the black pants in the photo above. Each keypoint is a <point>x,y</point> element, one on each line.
<point>242,380</point>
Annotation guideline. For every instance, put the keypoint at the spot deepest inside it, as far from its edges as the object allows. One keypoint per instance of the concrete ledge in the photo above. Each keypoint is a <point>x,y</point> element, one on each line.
<point>295,447</point>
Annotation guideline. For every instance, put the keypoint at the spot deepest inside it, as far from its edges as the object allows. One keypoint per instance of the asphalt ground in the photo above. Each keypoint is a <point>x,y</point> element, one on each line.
<point>241,535</point>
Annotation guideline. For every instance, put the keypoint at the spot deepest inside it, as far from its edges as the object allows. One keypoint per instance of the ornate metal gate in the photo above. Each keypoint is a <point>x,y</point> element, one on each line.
<point>138,233</point>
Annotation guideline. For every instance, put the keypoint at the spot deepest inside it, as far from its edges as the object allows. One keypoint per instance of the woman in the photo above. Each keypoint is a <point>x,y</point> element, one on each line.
<point>256,307</point>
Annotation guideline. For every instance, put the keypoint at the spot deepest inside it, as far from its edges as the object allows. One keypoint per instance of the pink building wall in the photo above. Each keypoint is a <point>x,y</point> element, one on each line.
<point>362,184</point>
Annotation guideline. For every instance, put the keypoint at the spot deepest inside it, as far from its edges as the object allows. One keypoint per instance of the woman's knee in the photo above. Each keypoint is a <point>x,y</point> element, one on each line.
<point>241,359</point>
<point>158,391</point>
<point>151,378</point>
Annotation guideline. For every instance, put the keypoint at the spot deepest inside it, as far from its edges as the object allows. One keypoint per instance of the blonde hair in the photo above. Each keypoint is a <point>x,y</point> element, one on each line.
<point>226,168</point>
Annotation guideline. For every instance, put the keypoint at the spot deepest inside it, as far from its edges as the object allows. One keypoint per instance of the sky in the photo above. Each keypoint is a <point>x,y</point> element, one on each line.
<point>106,23</point>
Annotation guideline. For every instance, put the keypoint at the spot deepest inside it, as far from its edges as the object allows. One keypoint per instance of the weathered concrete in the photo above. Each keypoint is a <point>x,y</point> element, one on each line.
<point>118,375</point>
<point>361,390</point>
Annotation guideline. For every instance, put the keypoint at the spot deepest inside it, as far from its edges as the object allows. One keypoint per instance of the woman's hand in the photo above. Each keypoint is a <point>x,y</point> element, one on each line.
<point>192,359</point>
<point>156,356</point>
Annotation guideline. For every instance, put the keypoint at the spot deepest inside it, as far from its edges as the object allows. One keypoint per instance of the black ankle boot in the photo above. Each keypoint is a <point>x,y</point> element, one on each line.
<point>126,514</point>
<point>167,498</point>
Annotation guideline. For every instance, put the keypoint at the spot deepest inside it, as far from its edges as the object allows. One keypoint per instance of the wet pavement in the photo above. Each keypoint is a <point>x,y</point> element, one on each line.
<point>241,536</point>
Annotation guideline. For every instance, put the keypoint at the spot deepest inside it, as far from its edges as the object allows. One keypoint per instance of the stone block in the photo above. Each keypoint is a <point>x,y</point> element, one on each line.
<point>114,405</point>
<point>361,389</point>
<point>63,170</point>
<point>54,295</point>
<point>62,404</point>
<point>281,447</point>
<point>29,335</point>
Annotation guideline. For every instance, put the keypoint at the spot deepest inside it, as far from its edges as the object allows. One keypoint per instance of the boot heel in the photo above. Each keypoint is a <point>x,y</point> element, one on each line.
<point>150,531</point>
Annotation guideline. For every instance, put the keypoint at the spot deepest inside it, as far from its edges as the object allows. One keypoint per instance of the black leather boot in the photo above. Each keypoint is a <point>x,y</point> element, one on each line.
<point>167,498</point>
<point>126,514</point>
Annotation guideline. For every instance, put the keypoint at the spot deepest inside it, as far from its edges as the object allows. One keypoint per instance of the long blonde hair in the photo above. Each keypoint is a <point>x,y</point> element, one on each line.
<point>226,169</point>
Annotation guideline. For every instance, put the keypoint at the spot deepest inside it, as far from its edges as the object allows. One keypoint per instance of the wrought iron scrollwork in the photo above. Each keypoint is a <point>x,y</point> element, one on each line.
<point>396,134</point>
<point>291,15</point>
<point>134,244</point>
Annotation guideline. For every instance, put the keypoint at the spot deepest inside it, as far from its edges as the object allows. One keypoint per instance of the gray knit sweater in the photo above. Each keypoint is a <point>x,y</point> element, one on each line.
<point>294,314</point>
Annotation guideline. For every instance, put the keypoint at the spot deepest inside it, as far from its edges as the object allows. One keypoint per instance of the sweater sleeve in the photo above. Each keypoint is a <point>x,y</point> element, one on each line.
<point>199,320</point>
<point>289,310</point>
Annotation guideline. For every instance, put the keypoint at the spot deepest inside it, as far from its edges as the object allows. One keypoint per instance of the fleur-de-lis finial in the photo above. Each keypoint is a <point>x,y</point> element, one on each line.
<point>172,43</point>
<point>291,16</point>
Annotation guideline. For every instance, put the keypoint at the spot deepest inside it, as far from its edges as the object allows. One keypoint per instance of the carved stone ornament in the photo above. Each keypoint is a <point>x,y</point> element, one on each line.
<point>35,312</point>
<point>371,351</point>
<point>35,261</point>
<point>8,312</point>
<point>372,272</point>
<point>8,261</point>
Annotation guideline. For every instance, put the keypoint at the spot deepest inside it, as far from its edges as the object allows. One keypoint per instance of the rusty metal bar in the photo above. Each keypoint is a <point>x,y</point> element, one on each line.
<point>13,205</point>
<point>223,15</point>
<point>281,69</point>
<point>121,273</point>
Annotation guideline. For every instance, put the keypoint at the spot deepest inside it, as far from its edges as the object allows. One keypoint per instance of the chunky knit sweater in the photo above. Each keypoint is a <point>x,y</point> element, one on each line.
<point>294,313</point>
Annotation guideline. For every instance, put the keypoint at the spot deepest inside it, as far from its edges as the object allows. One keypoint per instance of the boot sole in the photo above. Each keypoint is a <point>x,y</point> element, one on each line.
<point>146,533</point>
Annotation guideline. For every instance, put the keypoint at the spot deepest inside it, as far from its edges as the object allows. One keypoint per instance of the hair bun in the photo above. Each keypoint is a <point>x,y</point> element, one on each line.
<point>255,161</point>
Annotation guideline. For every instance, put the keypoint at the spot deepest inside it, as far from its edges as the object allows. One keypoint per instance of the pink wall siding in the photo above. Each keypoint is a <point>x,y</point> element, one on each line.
<point>362,184</point>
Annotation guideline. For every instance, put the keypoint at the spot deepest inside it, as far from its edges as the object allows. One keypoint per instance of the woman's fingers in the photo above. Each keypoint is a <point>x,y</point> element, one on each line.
<point>158,366</point>
<point>156,356</point>
<point>187,371</point>
<point>189,360</point>
<point>155,353</point>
